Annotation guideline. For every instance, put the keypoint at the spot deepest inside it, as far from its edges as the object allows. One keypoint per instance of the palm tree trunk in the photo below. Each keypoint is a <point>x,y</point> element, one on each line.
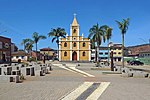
<point>58,50</point>
<point>123,50</point>
<point>58,46</point>
<point>95,54</point>
<point>108,52</point>
<point>36,51</point>
<point>98,53</point>
<point>24,47</point>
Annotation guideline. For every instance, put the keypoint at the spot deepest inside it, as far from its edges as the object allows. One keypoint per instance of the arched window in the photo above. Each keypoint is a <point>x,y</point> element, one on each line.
<point>65,53</point>
<point>74,31</point>
<point>74,44</point>
<point>83,44</point>
<point>83,54</point>
<point>65,44</point>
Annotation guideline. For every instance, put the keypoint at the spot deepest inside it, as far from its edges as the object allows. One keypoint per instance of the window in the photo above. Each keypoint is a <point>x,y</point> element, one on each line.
<point>83,54</point>
<point>65,44</point>
<point>114,52</point>
<point>106,53</point>
<point>119,52</point>
<point>83,44</point>
<point>74,45</point>
<point>119,48</point>
<point>22,57</point>
<point>65,53</point>
<point>119,59</point>
<point>101,53</point>
<point>74,31</point>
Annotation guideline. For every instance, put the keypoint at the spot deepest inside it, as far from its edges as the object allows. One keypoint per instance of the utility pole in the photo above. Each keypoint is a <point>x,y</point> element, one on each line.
<point>112,63</point>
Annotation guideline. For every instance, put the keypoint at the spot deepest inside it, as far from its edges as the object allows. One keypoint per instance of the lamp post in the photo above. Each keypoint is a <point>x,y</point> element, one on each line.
<point>112,63</point>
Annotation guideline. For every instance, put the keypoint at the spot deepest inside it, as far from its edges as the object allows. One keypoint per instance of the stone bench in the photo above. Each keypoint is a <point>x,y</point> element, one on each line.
<point>127,74</point>
<point>9,78</point>
<point>140,74</point>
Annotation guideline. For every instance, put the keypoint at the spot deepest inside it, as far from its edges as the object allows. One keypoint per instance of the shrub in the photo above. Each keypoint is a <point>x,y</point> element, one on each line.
<point>22,77</point>
<point>31,59</point>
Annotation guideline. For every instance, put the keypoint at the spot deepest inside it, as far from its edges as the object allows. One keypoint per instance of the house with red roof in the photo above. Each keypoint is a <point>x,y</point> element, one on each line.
<point>49,53</point>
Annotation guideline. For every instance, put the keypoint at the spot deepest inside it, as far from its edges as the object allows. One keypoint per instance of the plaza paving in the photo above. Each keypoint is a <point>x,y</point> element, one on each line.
<point>61,82</point>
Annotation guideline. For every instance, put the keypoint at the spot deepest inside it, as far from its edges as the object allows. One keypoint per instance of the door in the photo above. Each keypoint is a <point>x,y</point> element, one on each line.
<point>74,56</point>
<point>4,58</point>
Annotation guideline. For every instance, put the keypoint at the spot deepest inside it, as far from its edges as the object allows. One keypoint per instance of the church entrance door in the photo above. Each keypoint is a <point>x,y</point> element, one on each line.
<point>74,56</point>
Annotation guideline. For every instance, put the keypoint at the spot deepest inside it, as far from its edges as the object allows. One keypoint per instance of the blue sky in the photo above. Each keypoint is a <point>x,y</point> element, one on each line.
<point>23,17</point>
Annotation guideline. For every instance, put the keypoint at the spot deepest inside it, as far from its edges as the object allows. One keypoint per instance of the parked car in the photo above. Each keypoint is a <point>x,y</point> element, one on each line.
<point>55,59</point>
<point>136,63</point>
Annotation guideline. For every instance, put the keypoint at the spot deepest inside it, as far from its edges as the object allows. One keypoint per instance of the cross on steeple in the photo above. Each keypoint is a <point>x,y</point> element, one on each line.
<point>74,14</point>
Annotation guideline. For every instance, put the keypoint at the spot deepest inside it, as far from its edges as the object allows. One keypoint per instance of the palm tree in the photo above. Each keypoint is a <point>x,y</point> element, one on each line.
<point>97,34</point>
<point>36,37</point>
<point>56,33</point>
<point>24,42</point>
<point>29,45</point>
<point>123,26</point>
<point>108,36</point>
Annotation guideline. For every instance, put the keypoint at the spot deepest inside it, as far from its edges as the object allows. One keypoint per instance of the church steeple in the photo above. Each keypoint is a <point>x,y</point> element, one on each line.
<point>74,28</point>
<point>74,23</point>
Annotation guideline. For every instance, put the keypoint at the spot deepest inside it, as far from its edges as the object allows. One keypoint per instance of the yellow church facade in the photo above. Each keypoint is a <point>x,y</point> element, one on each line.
<point>74,47</point>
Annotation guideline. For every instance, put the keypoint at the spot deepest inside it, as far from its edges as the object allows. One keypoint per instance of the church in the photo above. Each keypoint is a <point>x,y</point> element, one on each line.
<point>74,47</point>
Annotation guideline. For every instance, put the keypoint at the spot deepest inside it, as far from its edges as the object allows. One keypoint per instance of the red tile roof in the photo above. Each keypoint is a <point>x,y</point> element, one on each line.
<point>46,49</point>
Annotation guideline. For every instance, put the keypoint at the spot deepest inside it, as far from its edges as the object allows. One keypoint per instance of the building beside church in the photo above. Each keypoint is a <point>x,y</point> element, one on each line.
<point>48,53</point>
<point>74,47</point>
<point>5,50</point>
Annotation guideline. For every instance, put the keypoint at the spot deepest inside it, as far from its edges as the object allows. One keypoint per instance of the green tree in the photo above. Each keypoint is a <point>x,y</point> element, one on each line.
<point>108,36</point>
<point>25,42</point>
<point>123,26</point>
<point>29,45</point>
<point>56,33</point>
<point>36,37</point>
<point>97,35</point>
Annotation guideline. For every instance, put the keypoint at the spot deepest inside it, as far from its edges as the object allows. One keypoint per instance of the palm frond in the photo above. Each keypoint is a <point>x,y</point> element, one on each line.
<point>53,39</point>
<point>108,34</point>
<point>56,33</point>
<point>42,37</point>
